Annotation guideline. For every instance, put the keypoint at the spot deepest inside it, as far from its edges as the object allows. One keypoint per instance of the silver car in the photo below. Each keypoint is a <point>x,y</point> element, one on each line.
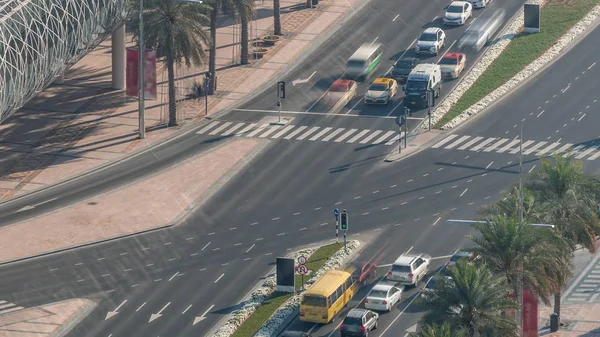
<point>383,297</point>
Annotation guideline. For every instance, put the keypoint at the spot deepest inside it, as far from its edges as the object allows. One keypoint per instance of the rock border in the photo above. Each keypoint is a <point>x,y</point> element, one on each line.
<point>255,300</point>
<point>290,308</point>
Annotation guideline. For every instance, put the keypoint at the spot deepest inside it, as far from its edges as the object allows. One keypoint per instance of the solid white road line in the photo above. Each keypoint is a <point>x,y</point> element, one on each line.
<point>220,277</point>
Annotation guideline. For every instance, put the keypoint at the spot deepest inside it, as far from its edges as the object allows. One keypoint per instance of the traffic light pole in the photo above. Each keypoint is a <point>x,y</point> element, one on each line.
<point>337,239</point>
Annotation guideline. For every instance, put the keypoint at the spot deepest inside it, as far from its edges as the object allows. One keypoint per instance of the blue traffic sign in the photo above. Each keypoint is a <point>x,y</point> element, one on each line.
<point>336,212</point>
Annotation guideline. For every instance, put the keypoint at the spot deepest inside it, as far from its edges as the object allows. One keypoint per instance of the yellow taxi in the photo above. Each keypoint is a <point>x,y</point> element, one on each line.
<point>381,91</point>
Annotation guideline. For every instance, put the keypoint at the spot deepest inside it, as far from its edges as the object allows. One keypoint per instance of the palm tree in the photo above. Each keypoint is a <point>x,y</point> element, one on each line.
<point>473,299</point>
<point>436,330</point>
<point>245,9</point>
<point>569,199</point>
<point>515,251</point>
<point>176,31</point>
<point>276,18</point>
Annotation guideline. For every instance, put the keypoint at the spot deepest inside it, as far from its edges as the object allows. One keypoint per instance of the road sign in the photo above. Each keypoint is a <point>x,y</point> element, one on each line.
<point>301,259</point>
<point>336,212</point>
<point>302,269</point>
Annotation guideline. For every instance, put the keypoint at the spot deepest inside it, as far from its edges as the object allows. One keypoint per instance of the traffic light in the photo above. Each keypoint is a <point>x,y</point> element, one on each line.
<point>344,221</point>
<point>281,89</point>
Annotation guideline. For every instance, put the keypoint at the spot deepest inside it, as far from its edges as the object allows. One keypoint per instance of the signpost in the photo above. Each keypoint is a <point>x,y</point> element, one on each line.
<point>336,214</point>
<point>399,123</point>
<point>406,114</point>
<point>430,103</point>
<point>302,269</point>
<point>301,259</point>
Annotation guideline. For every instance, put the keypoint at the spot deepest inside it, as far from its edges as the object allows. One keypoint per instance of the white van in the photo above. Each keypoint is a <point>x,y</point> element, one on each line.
<point>424,77</point>
<point>362,63</point>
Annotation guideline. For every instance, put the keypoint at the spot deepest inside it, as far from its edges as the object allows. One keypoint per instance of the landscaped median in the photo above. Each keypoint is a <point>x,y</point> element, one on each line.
<point>515,57</point>
<point>267,309</point>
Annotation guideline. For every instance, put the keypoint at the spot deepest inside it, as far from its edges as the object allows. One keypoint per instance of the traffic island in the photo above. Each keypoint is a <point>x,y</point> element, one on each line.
<point>516,57</point>
<point>267,310</point>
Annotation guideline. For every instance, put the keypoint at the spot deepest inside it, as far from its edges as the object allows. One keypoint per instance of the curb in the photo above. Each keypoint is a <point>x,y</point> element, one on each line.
<point>394,156</point>
<point>74,320</point>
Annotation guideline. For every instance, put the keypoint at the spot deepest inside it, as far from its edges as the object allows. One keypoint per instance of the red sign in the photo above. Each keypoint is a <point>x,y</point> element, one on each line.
<point>530,314</point>
<point>302,269</point>
<point>131,77</point>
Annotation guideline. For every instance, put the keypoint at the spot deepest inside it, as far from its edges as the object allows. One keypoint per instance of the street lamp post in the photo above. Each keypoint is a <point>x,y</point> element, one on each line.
<point>207,78</point>
<point>141,79</point>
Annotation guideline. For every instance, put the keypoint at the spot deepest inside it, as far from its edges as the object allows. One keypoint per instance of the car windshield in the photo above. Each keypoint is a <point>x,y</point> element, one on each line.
<point>403,64</point>
<point>314,301</point>
<point>455,9</point>
<point>447,60</point>
<point>356,63</point>
<point>339,87</point>
<point>428,37</point>
<point>378,87</point>
<point>416,85</point>
<point>352,321</point>
<point>378,294</point>
<point>400,269</point>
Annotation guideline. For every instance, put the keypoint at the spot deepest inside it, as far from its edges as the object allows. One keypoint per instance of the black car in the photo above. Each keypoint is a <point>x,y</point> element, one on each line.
<point>359,322</point>
<point>403,67</point>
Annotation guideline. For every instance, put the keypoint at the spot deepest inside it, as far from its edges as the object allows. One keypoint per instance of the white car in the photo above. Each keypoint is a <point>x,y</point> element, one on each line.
<point>431,41</point>
<point>458,13</point>
<point>409,269</point>
<point>479,3</point>
<point>383,297</point>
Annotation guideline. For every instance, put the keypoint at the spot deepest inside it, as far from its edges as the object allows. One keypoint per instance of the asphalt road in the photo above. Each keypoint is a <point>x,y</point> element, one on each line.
<point>283,200</point>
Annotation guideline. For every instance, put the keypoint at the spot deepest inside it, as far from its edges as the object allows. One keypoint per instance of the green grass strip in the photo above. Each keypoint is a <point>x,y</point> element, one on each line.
<point>260,316</point>
<point>557,16</point>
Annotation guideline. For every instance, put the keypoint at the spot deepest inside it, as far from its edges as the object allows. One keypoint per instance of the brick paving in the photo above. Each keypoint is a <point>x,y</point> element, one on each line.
<point>45,320</point>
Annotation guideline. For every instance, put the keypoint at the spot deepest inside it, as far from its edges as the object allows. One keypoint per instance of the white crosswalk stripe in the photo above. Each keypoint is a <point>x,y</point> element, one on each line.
<point>371,136</point>
<point>469,143</point>
<point>220,128</point>
<point>272,129</point>
<point>6,307</point>
<point>456,142</point>
<point>345,135</point>
<point>384,137</point>
<point>232,129</point>
<point>444,141</point>
<point>246,129</point>
<point>308,133</point>
<point>258,130</point>
<point>358,136</point>
<point>283,132</point>
<point>208,127</point>
<point>507,146</point>
<point>482,144</point>
<point>333,134</point>
<point>320,134</point>
<point>295,132</point>
<point>394,141</point>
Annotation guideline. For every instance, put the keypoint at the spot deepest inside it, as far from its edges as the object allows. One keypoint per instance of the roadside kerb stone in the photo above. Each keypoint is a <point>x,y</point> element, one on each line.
<point>553,52</point>
<point>53,320</point>
<point>146,204</point>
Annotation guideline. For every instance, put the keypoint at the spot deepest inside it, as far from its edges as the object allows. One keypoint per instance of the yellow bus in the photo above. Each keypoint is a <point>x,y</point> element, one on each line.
<point>326,297</point>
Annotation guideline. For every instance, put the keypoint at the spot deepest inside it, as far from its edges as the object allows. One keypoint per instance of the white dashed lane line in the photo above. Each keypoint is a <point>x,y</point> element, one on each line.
<point>465,191</point>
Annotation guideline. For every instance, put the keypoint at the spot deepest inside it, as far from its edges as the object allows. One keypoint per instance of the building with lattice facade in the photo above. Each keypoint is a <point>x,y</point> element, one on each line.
<point>40,39</point>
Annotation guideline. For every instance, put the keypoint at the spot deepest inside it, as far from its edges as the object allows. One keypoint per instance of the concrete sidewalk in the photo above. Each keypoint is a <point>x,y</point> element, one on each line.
<point>74,127</point>
<point>50,320</point>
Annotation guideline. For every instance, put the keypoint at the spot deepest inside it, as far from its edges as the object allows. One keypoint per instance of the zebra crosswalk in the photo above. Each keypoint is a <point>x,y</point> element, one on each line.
<point>301,132</point>
<point>6,307</point>
<point>512,146</point>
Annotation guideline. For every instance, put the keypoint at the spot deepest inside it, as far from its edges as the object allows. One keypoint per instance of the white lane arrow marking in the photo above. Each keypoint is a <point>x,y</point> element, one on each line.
<point>299,81</point>
<point>203,316</point>
<point>158,314</point>
<point>411,329</point>
<point>114,312</point>
<point>28,207</point>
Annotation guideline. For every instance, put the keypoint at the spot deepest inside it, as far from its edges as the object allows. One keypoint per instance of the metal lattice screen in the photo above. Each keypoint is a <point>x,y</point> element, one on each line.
<point>40,39</point>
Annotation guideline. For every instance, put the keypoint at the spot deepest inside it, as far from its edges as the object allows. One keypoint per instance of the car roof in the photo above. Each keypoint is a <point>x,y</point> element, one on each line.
<point>382,80</point>
<point>452,55</point>
<point>458,3</point>
<point>356,313</point>
<point>405,259</point>
<point>383,286</point>
<point>432,30</point>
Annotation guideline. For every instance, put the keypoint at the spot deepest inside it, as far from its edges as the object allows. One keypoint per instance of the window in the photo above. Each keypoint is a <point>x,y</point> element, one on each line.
<point>415,85</point>
<point>400,269</point>
<point>340,291</point>
<point>354,321</point>
<point>348,282</point>
<point>455,9</point>
<point>378,87</point>
<point>428,37</point>
<point>378,293</point>
<point>356,63</point>
<point>448,61</point>
<point>314,301</point>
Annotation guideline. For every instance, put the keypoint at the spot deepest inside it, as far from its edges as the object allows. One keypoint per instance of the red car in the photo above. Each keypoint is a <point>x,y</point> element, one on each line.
<point>453,64</point>
<point>339,94</point>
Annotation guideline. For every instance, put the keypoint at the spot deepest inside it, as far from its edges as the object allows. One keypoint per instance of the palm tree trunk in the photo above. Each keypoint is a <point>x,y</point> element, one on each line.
<point>212,53</point>
<point>557,303</point>
<point>171,75</point>
<point>276,18</point>
<point>308,3</point>
<point>244,38</point>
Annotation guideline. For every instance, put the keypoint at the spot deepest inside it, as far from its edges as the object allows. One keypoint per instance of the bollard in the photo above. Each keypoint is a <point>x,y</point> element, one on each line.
<point>554,322</point>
